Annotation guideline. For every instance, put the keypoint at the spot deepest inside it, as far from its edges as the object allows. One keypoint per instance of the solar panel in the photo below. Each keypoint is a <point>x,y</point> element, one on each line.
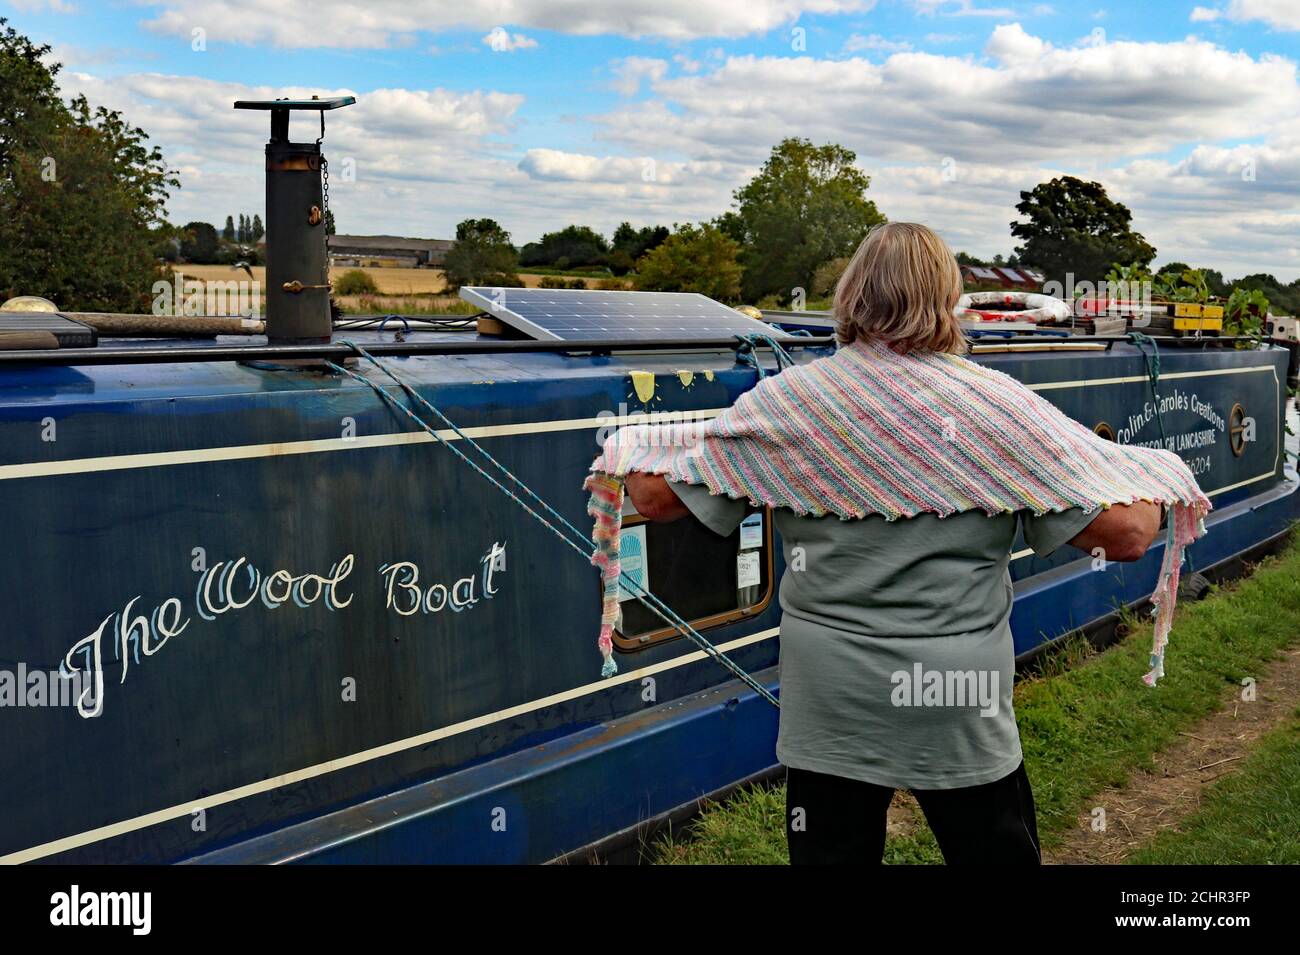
<point>68,333</point>
<point>578,315</point>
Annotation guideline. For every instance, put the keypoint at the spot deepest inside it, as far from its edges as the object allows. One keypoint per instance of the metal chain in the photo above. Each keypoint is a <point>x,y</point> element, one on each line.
<point>325,201</point>
<point>325,214</point>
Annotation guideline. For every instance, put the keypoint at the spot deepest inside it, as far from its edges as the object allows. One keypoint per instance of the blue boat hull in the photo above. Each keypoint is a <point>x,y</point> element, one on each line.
<point>229,556</point>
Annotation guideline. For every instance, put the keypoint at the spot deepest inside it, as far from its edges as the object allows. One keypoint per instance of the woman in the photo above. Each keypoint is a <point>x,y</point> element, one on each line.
<point>896,653</point>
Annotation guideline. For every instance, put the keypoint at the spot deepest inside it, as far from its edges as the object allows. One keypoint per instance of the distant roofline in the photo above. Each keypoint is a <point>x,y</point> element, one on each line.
<point>396,241</point>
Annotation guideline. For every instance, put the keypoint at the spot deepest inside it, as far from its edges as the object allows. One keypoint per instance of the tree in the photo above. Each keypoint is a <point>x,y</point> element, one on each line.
<point>30,107</point>
<point>805,207</point>
<point>257,230</point>
<point>693,259</point>
<point>482,255</point>
<point>1074,227</point>
<point>199,242</point>
<point>228,233</point>
<point>355,282</point>
<point>1285,297</point>
<point>573,246</point>
<point>329,222</point>
<point>81,193</point>
<point>629,244</point>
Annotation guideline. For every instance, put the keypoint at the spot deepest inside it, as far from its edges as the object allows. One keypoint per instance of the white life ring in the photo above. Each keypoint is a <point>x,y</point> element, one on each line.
<point>1036,307</point>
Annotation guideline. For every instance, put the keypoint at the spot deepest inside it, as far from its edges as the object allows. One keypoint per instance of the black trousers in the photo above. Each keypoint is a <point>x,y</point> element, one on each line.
<point>832,820</point>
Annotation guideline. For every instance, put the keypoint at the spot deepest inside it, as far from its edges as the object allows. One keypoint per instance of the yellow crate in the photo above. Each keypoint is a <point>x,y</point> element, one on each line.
<point>1187,310</point>
<point>1212,311</point>
<point>1198,324</point>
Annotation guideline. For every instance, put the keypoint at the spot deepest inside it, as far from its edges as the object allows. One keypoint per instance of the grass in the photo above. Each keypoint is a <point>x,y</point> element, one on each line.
<point>1086,720</point>
<point>749,831</point>
<point>1250,816</point>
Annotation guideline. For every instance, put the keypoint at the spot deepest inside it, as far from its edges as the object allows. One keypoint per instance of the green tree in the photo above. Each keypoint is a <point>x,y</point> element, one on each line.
<point>806,206</point>
<point>693,259</point>
<point>199,242</point>
<point>355,282</point>
<point>1285,297</point>
<point>257,230</point>
<point>81,193</point>
<point>629,244</point>
<point>574,246</point>
<point>482,255</point>
<point>1074,227</point>
<point>228,233</point>
<point>30,108</point>
<point>329,222</point>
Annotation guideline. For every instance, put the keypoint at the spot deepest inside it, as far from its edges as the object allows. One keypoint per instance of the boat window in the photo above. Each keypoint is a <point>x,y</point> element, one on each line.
<point>709,580</point>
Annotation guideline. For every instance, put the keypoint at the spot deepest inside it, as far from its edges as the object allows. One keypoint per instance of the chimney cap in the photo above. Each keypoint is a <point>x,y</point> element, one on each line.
<point>313,103</point>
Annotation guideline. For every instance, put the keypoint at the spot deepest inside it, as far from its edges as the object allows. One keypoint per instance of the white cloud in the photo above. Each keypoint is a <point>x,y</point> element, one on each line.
<point>39,6</point>
<point>552,165</point>
<point>1029,112</point>
<point>1109,101</point>
<point>858,42</point>
<point>405,146</point>
<point>1116,112</point>
<point>959,8</point>
<point>1280,14</point>
<point>502,41</point>
<point>382,23</point>
<point>630,71</point>
<point>1010,42</point>
<point>423,160</point>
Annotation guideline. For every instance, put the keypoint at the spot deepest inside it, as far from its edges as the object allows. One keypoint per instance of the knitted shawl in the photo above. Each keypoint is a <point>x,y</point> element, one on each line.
<point>870,431</point>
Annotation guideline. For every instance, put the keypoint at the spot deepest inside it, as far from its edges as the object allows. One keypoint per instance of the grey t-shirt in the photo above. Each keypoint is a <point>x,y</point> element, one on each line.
<point>896,653</point>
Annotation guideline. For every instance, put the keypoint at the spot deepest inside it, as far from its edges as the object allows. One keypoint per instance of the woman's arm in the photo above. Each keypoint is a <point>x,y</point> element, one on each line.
<point>1123,531</point>
<point>653,498</point>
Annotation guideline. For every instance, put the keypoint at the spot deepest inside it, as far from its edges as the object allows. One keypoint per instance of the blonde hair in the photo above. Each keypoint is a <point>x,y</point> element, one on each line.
<point>901,287</point>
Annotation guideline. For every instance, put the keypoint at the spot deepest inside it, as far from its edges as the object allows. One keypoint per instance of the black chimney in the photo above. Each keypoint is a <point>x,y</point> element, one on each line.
<point>297,267</point>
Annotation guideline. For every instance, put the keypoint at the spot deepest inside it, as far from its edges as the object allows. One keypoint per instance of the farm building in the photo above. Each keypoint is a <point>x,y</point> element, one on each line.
<point>388,250</point>
<point>1014,278</point>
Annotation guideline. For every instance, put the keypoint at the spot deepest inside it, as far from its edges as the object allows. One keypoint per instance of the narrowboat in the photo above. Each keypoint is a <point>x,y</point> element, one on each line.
<point>255,613</point>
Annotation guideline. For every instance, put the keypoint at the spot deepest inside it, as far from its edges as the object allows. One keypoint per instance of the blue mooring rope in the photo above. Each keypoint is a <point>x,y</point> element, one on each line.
<point>667,614</point>
<point>745,353</point>
<point>1153,373</point>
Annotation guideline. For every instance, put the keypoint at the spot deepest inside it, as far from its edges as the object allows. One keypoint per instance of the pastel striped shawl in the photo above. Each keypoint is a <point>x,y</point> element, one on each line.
<point>870,431</point>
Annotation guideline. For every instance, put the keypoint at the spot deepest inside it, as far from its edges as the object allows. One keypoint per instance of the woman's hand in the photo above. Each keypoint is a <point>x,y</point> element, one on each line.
<point>653,498</point>
<point>1122,531</point>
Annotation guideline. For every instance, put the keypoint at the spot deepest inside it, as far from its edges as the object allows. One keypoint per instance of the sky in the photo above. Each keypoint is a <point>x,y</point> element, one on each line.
<point>541,113</point>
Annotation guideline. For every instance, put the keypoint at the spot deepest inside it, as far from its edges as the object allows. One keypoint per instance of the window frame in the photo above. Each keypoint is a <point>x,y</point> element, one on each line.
<point>667,632</point>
